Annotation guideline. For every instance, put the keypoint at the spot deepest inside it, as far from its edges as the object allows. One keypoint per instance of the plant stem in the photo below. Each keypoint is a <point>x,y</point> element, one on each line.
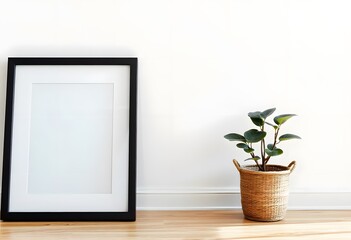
<point>263,155</point>
<point>275,137</point>
<point>253,155</point>
<point>274,143</point>
<point>258,165</point>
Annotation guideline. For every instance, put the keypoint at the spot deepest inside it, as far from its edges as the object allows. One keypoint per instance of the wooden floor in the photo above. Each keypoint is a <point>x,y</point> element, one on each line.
<point>189,225</point>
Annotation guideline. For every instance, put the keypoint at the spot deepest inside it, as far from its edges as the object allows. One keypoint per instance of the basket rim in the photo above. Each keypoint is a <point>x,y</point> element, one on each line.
<point>285,170</point>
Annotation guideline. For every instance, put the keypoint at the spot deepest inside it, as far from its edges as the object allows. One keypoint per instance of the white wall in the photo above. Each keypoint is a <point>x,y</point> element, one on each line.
<point>203,64</point>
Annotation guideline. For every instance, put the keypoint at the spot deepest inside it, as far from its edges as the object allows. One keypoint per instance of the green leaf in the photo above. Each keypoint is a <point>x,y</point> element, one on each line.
<point>256,114</point>
<point>256,118</point>
<point>267,113</point>
<point>245,147</point>
<point>283,118</point>
<point>257,121</point>
<point>242,145</point>
<point>270,124</point>
<point>256,158</point>
<point>235,137</point>
<point>270,146</point>
<point>274,152</point>
<point>249,150</point>
<point>253,135</point>
<point>288,136</point>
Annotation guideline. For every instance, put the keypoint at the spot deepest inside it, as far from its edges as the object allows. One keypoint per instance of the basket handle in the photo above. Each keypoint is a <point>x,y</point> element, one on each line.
<point>237,165</point>
<point>292,166</point>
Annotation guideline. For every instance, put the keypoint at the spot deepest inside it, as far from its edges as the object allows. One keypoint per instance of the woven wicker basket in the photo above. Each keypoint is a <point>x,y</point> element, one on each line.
<point>264,195</point>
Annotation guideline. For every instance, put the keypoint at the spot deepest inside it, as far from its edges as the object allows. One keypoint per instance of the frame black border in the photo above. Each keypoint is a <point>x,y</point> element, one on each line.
<point>69,216</point>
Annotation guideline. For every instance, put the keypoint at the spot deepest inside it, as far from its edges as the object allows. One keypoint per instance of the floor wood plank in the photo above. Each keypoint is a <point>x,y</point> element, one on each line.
<point>189,225</point>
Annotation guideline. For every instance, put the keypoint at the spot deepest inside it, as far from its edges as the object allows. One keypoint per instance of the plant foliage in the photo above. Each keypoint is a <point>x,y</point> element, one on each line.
<point>259,135</point>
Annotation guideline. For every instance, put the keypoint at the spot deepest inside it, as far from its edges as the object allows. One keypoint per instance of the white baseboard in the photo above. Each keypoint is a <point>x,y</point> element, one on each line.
<point>212,199</point>
<point>222,199</point>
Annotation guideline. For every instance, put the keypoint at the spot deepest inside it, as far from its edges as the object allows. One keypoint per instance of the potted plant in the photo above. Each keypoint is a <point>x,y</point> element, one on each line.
<point>263,187</point>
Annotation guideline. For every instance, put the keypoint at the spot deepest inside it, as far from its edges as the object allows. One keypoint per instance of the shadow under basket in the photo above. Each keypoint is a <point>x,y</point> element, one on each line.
<point>264,195</point>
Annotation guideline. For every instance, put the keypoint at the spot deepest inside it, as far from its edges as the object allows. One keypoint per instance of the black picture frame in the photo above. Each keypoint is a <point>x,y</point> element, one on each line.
<point>9,166</point>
